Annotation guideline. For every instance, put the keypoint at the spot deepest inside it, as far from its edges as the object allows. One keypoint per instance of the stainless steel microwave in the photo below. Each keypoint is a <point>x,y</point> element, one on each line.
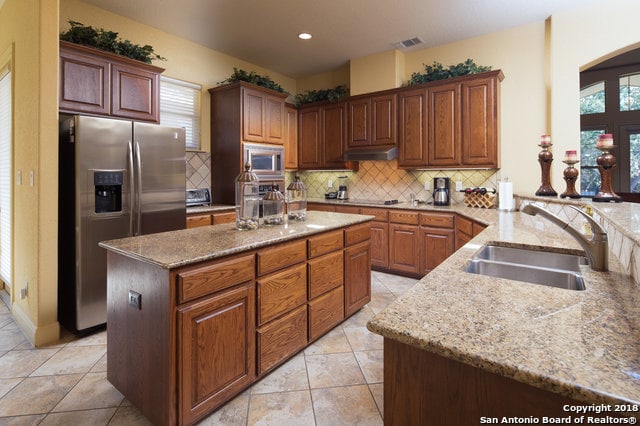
<point>267,161</point>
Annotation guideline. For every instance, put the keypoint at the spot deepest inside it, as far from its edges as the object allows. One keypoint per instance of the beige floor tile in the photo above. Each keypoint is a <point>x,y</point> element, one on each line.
<point>333,370</point>
<point>23,363</point>
<point>334,341</point>
<point>360,318</point>
<point>377,287</point>
<point>6,320</point>
<point>11,338</point>
<point>97,338</point>
<point>233,413</point>
<point>22,420</point>
<point>350,405</point>
<point>287,408</point>
<point>362,339</point>
<point>377,390</point>
<point>129,416</point>
<point>379,301</point>
<point>397,285</point>
<point>101,365</point>
<point>69,360</point>
<point>290,376</point>
<point>37,395</point>
<point>371,365</point>
<point>7,384</point>
<point>93,391</point>
<point>86,417</point>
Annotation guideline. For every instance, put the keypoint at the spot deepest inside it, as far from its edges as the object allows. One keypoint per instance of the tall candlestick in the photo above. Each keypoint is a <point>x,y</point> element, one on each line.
<point>606,162</point>
<point>545,157</point>
<point>605,141</point>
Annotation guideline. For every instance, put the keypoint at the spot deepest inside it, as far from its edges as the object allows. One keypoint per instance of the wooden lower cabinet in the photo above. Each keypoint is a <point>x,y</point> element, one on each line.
<point>404,248</point>
<point>380,244</point>
<point>325,312</point>
<point>281,338</point>
<point>357,282</point>
<point>194,221</point>
<point>217,331</point>
<point>437,245</point>
<point>281,292</point>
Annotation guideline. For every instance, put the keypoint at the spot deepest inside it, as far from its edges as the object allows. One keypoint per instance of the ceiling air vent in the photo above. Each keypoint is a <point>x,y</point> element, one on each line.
<point>404,44</point>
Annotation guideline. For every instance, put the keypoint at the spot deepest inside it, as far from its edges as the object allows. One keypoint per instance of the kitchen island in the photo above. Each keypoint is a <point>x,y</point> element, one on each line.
<point>195,316</point>
<point>461,348</point>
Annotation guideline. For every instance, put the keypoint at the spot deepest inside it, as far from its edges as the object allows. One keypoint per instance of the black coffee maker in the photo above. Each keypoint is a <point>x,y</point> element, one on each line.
<point>441,191</point>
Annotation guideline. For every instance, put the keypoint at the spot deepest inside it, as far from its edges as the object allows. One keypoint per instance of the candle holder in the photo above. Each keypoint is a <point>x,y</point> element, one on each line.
<point>570,177</point>
<point>606,162</point>
<point>545,157</point>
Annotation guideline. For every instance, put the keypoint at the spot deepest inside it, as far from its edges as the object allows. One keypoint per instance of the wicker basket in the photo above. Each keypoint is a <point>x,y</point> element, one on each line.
<point>487,201</point>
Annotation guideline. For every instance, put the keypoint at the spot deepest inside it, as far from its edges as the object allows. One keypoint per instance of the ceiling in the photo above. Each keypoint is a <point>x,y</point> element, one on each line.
<point>264,32</point>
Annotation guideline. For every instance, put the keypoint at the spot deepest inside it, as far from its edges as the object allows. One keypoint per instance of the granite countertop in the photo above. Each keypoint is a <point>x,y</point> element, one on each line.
<point>582,344</point>
<point>210,209</point>
<point>186,246</point>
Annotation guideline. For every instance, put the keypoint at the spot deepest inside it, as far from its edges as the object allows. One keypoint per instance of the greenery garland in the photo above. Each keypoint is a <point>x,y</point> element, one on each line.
<point>253,78</point>
<point>438,72</point>
<point>109,42</point>
<point>332,95</point>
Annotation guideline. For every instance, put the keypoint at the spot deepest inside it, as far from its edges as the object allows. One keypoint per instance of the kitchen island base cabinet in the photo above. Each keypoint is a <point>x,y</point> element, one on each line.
<point>423,388</point>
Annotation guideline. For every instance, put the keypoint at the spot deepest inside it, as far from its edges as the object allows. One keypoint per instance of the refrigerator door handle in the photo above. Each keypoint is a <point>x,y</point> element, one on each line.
<point>131,186</point>
<point>138,210</point>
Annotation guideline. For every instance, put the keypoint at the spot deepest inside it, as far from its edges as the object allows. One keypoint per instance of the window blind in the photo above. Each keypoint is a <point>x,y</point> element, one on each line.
<point>5,176</point>
<point>180,107</point>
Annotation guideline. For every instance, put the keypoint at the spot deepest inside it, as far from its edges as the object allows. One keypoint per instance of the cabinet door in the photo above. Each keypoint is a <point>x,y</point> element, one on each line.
<point>84,83</point>
<point>194,221</point>
<point>444,125</point>
<point>281,292</point>
<point>216,351</point>
<point>274,120</point>
<point>325,312</point>
<point>380,244</point>
<point>357,277</point>
<point>282,338</point>
<point>135,93</point>
<point>437,245</point>
<point>480,123</point>
<point>359,111</point>
<point>412,140</point>
<point>334,129</point>
<point>226,217</point>
<point>253,119</point>
<point>291,139</point>
<point>309,139</point>
<point>384,130</point>
<point>404,248</point>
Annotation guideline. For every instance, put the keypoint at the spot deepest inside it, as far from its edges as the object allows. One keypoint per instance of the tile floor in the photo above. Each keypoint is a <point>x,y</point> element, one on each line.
<point>335,381</point>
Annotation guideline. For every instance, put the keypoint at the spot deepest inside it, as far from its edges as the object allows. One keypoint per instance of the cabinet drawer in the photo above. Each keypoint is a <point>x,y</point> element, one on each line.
<point>325,243</point>
<point>357,233</point>
<point>348,209</point>
<point>281,338</point>
<point>226,217</point>
<point>381,215</point>
<point>406,217</point>
<point>325,312</point>
<point>281,256</point>
<point>321,207</point>
<point>215,277</point>
<point>464,225</point>
<point>325,273</point>
<point>281,292</point>
<point>198,220</point>
<point>437,220</point>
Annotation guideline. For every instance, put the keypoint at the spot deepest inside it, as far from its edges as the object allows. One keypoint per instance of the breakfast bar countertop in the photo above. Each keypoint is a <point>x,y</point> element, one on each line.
<point>186,246</point>
<point>581,344</point>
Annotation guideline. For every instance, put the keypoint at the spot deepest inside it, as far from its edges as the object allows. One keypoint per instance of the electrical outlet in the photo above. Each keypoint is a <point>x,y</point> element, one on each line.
<point>458,185</point>
<point>135,299</point>
<point>426,186</point>
<point>330,184</point>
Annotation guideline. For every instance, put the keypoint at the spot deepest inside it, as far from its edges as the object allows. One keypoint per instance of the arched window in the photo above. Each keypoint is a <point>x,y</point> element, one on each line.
<point>610,103</point>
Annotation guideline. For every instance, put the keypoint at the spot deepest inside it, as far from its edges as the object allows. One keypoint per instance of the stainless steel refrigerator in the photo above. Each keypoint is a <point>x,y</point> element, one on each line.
<point>117,179</point>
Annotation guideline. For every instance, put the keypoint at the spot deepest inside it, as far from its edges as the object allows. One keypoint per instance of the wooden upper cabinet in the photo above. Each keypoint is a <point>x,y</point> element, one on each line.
<point>105,84</point>
<point>334,132</point>
<point>480,142</point>
<point>372,120</point>
<point>443,140</point>
<point>263,117</point>
<point>291,138</point>
<point>309,139</point>
<point>412,128</point>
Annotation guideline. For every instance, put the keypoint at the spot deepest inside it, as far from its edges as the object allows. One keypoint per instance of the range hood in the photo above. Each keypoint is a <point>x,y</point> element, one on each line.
<point>371,153</point>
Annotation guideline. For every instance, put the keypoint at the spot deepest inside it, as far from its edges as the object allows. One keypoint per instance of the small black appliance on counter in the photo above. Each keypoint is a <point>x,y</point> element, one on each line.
<point>441,191</point>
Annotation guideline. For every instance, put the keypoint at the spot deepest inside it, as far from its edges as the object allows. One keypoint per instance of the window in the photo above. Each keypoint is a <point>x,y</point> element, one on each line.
<point>5,176</point>
<point>592,99</point>
<point>180,107</point>
<point>630,92</point>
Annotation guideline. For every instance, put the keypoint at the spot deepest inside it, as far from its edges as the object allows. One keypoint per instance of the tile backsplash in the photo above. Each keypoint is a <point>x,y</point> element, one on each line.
<point>381,180</point>
<point>198,170</point>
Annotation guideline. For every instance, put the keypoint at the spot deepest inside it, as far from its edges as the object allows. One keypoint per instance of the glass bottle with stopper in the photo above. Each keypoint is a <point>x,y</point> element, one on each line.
<point>273,207</point>
<point>297,200</point>
<point>247,200</point>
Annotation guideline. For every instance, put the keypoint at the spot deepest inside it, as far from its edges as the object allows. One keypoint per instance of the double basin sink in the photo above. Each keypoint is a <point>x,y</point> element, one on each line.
<point>532,266</point>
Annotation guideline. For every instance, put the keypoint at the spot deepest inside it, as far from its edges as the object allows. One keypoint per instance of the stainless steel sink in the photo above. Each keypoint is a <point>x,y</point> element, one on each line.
<point>532,266</point>
<point>544,259</point>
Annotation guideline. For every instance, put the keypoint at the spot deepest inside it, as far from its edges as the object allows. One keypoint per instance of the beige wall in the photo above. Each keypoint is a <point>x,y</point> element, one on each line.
<point>185,60</point>
<point>581,39</point>
<point>377,72</point>
<point>327,80</point>
<point>29,29</point>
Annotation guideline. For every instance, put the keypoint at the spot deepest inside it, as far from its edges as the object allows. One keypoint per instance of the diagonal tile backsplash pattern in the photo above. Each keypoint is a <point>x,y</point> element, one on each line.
<point>382,180</point>
<point>198,170</point>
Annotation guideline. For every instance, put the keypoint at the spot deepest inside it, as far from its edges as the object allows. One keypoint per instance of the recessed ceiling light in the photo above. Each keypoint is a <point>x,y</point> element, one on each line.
<point>304,36</point>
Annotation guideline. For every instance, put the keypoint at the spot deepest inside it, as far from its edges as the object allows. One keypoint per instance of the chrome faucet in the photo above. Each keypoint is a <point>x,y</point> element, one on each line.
<point>596,247</point>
